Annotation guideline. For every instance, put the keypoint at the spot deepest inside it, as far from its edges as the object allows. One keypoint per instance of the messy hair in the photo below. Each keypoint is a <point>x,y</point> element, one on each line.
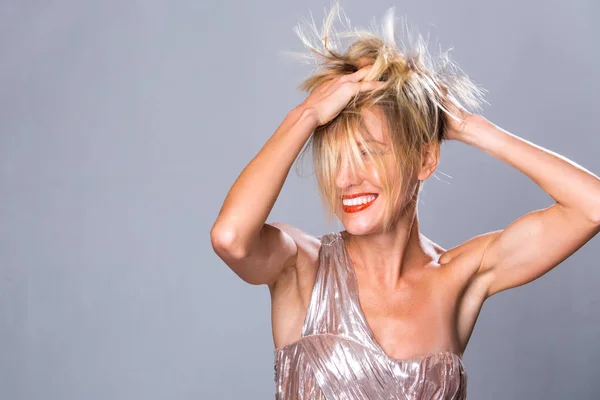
<point>411,99</point>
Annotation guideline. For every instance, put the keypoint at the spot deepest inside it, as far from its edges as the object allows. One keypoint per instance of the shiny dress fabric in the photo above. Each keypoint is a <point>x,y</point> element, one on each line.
<point>337,356</point>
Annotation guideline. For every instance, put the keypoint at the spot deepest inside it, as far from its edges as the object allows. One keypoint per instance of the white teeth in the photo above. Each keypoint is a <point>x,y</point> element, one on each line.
<point>358,200</point>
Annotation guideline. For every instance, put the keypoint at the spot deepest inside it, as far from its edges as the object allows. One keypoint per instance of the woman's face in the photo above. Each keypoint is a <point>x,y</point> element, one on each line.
<point>361,208</point>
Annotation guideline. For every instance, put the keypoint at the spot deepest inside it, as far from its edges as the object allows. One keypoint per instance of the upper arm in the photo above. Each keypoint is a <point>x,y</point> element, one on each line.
<point>274,251</point>
<point>532,245</point>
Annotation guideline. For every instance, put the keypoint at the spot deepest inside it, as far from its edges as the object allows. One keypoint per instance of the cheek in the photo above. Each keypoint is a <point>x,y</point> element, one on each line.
<point>373,176</point>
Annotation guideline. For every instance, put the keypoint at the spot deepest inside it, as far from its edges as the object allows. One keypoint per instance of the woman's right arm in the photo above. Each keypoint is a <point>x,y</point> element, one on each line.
<point>257,252</point>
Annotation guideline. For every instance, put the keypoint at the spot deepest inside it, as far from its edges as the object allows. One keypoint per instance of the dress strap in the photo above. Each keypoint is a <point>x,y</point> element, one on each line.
<point>334,307</point>
<point>315,320</point>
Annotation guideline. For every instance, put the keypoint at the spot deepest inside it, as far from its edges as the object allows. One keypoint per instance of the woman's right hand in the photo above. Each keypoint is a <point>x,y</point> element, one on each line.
<point>328,99</point>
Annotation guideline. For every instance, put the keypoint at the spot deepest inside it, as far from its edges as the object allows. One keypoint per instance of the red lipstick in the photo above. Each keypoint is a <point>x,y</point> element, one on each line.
<point>359,207</point>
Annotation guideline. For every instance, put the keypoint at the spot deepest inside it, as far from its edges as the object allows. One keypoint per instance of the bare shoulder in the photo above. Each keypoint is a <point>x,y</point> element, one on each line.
<point>290,294</point>
<point>463,264</point>
<point>307,258</point>
<point>470,247</point>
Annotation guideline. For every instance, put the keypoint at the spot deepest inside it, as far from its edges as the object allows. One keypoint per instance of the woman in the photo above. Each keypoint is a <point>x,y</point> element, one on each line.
<point>378,310</point>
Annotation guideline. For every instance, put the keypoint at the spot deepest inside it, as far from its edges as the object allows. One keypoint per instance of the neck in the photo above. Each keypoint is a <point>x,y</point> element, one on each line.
<point>390,260</point>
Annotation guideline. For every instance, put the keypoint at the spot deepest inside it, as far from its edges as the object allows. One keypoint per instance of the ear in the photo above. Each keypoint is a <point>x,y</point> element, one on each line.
<point>429,159</point>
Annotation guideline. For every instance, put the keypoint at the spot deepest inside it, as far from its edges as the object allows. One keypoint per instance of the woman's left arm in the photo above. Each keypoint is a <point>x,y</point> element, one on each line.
<point>540,240</point>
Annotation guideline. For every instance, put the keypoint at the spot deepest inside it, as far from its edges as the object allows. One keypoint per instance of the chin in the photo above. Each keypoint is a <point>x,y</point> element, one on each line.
<point>361,225</point>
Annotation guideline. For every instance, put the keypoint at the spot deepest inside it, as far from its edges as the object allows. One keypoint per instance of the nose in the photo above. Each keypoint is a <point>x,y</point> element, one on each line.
<point>345,177</point>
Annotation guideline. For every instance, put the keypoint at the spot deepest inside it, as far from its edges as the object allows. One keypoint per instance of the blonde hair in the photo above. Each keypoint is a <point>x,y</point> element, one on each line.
<point>411,100</point>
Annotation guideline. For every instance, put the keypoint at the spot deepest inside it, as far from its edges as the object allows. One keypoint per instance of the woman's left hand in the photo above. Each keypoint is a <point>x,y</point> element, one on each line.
<point>460,122</point>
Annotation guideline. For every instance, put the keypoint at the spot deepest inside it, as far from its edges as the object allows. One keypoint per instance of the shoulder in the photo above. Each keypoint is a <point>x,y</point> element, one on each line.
<point>308,245</point>
<point>470,248</point>
<point>308,252</point>
<point>463,262</point>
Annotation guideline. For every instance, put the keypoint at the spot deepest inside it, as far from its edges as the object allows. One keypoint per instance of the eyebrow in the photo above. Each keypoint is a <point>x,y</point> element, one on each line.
<point>373,141</point>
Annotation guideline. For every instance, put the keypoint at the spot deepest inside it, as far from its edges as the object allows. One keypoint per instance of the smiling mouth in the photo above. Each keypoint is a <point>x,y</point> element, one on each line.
<point>365,200</point>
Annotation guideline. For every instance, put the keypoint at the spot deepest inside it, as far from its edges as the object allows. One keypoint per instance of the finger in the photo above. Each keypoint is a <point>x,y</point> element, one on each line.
<point>358,75</point>
<point>370,85</point>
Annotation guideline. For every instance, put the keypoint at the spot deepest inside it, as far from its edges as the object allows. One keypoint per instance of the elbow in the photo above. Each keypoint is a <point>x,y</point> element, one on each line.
<point>595,207</point>
<point>596,217</point>
<point>594,214</point>
<point>224,243</point>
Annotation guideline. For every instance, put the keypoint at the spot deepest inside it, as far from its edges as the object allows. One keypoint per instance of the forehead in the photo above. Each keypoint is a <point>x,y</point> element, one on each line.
<point>375,126</point>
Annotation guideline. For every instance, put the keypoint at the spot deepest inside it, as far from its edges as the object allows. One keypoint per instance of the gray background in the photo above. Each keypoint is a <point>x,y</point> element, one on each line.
<point>124,124</point>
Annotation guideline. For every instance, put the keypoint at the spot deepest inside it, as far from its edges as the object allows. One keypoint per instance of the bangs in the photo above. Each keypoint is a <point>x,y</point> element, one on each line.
<point>347,140</point>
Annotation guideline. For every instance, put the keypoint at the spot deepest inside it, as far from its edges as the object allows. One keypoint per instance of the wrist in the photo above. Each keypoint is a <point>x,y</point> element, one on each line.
<point>307,114</point>
<point>476,127</point>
